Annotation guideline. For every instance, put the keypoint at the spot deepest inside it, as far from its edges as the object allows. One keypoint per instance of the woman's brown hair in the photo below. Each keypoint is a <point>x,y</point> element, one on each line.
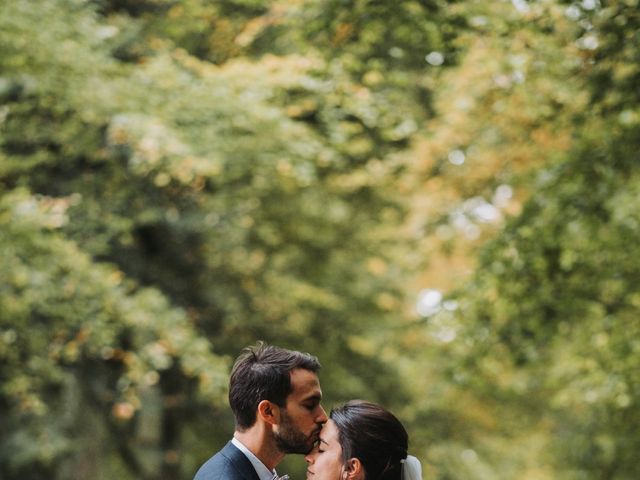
<point>373,435</point>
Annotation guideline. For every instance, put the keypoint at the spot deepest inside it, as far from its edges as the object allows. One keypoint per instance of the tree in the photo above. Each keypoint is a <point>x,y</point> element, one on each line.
<point>543,332</point>
<point>180,179</point>
<point>212,215</point>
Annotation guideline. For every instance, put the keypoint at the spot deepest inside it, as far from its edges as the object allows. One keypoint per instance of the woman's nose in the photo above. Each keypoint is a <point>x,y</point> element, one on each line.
<point>311,456</point>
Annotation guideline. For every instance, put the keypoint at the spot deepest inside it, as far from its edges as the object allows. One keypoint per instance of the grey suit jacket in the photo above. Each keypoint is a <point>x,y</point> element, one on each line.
<point>228,464</point>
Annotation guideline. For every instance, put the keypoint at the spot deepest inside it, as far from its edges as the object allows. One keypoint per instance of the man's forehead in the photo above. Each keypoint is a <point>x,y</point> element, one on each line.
<point>305,382</point>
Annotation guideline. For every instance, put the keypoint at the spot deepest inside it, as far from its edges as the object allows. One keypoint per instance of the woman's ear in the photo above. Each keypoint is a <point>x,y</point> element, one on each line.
<point>354,469</point>
<point>269,412</point>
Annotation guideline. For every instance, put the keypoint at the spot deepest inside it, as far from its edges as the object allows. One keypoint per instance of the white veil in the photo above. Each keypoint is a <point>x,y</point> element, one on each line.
<point>411,468</point>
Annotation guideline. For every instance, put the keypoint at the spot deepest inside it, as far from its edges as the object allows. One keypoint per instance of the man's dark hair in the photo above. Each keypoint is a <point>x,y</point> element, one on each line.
<point>262,372</point>
<point>374,435</point>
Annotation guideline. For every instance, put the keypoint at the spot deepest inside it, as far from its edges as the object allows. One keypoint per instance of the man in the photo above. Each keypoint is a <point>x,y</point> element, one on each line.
<point>275,397</point>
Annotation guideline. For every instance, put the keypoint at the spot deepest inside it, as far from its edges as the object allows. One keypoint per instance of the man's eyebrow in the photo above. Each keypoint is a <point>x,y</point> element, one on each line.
<point>316,397</point>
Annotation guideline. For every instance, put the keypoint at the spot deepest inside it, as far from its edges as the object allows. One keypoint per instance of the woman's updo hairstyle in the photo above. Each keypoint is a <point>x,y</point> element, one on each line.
<point>373,435</point>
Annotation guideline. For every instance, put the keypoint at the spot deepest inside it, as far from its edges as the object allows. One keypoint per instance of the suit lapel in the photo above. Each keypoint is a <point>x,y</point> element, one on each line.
<point>240,462</point>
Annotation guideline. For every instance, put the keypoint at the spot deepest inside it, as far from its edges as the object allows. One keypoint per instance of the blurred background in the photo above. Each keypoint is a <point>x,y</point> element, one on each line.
<point>439,199</point>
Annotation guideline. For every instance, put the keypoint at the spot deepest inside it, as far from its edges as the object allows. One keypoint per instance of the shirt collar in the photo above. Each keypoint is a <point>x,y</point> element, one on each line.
<point>263,472</point>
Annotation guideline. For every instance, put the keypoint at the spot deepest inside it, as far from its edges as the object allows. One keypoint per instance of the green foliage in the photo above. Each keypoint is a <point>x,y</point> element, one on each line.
<point>558,293</point>
<point>181,178</point>
<point>77,335</point>
<point>187,214</point>
<point>549,317</point>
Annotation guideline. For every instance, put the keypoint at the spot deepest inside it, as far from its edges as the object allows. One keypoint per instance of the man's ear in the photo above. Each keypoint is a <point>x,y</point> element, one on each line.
<point>354,469</point>
<point>269,412</point>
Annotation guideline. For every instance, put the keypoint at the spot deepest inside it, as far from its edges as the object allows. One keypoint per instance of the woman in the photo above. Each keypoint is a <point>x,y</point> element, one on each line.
<point>362,441</point>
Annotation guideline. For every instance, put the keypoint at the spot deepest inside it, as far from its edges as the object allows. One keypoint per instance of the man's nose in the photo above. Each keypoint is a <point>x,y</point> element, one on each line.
<point>322,418</point>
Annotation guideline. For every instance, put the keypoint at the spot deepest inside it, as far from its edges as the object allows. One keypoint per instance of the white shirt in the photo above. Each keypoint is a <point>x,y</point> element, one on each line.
<point>263,472</point>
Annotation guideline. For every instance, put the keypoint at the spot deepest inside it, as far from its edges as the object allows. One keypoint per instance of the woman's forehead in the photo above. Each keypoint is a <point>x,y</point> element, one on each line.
<point>329,433</point>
